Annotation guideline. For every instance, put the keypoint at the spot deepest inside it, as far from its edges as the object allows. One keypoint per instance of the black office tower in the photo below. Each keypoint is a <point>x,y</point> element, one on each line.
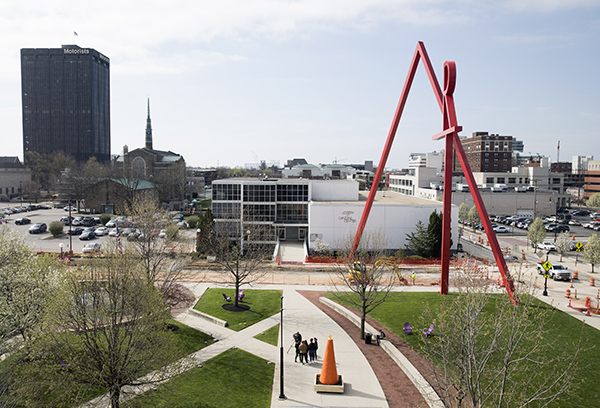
<point>66,102</point>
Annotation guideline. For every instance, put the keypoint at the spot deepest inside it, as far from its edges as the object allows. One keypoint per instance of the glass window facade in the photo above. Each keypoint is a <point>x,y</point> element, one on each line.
<point>259,212</point>
<point>292,213</point>
<point>66,102</point>
<point>292,192</point>
<point>259,193</point>
<point>226,192</point>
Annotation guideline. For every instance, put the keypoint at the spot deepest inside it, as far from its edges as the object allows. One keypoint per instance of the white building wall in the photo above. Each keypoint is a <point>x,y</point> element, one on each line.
<point>336,223</point>
<point>334,190</point>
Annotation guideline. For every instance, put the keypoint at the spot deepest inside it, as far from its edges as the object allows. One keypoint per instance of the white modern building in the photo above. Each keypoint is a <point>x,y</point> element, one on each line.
<point>304,210</point>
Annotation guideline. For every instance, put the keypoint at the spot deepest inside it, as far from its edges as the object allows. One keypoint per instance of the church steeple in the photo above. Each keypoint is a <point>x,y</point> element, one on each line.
<point>148,129</point>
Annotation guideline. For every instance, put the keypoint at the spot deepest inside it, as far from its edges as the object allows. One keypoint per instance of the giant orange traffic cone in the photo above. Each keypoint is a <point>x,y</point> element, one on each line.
<point>329,375</point>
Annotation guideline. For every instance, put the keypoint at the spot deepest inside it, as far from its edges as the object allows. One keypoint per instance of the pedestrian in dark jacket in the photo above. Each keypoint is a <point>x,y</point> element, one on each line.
<point>297,342</point>
<point>311,351</point>
<point>316,348</point>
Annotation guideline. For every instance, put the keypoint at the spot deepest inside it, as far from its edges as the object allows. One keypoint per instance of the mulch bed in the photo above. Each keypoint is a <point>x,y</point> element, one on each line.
<point>399,390</point>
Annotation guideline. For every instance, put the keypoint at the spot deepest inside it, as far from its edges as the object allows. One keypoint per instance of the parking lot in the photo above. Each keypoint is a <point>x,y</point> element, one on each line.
<point>45,241</point>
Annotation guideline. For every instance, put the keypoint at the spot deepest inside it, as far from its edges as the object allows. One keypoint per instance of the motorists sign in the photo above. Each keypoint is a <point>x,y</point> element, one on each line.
<point>578,246</point>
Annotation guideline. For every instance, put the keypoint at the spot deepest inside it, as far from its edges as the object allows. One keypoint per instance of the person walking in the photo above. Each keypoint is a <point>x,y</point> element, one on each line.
<point>316,348</point>
<point>303,348</point>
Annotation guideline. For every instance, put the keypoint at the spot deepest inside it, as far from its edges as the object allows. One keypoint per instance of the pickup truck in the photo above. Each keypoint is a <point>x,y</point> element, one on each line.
<point>557,272</point>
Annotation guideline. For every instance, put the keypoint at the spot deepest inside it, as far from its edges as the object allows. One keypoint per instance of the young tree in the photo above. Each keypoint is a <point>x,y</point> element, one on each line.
<point>25,284</point>
<point>474,218</point>
<point>367,274</point>
<point>536,232</point>
<point>105,326</point>
<point>488,352</point>
<point>563,244</point>
<point>241,257</point>
<point>463,212</point>
<point>427,242</point>
<point>591,251</point>
<point>593,201</point>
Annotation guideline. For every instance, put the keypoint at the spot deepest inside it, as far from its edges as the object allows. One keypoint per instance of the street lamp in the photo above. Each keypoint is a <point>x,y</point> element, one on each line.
<point>281,394</point>
<point>198,239</point>
<point>61,245</point>
<point>21,191</point>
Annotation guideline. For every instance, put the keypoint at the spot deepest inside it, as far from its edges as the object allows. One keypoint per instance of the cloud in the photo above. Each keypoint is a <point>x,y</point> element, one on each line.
<point>548,6</point>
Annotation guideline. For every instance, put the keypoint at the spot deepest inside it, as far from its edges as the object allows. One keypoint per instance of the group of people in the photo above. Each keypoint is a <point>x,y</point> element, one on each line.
<point>307,351</point>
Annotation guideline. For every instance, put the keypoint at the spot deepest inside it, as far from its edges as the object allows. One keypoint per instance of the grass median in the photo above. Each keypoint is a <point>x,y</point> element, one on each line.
<point>261,305</point>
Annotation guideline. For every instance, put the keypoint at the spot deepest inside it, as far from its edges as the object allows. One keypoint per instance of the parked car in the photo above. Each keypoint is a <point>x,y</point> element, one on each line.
<point>38,228</point>
<point>100,231</point>
<point>111,224</point>
<point>22,221</point>
<point>556,272</point>
<point>562,228</point>
<point>546,246</point>
<point>71,208</point>
<point>501,229</point>
<point>87,235</point>
<point>91,248</point>
<point>75,231</point>
<point>575,223</point>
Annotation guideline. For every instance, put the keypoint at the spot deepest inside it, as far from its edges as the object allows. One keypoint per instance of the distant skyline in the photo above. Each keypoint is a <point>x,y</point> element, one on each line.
<point>236,82</point>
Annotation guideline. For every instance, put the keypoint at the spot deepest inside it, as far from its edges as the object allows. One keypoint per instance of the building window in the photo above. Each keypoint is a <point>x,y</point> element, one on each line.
<point>501,180</point>
<point>297,213</point>
<point>226,192</point>
<point>489,180</point>
<point>512,180</point>
<point>292,192</point>
<point>259,193</point>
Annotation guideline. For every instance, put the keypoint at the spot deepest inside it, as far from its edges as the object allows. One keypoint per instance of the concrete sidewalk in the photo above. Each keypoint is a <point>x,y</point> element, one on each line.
<point>362,388</point>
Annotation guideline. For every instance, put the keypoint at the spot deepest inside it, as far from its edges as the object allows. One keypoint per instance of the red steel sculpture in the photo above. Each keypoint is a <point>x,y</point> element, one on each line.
<point>450,132</point>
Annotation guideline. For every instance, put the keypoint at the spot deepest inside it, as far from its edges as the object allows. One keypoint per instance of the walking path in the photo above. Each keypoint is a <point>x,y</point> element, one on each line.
<point>362,388</point>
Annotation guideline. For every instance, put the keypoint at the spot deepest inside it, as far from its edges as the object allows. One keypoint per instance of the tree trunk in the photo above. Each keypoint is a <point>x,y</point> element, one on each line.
<point>115,396</point>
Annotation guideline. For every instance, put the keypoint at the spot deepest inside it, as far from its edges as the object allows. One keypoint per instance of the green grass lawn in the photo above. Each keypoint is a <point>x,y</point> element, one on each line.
<point>409,307</point>
<point>187,339</point>
<point>269,336</point>
<point>262,303</point>
<point>233,379</point>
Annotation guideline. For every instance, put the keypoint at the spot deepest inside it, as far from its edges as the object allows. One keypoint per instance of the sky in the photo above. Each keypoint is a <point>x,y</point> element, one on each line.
<point>233,82</point>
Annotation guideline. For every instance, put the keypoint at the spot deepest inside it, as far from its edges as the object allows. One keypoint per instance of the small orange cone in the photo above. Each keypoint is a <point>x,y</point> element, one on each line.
<point>329,375</point>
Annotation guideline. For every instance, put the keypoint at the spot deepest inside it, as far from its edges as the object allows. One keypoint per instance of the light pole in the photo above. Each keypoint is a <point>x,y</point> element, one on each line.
<point>198,239</point>
<point>545,293</point>
<point>281,394</point>
<point>21,191</point>
<point>70,229</point>
<point>61,245</point>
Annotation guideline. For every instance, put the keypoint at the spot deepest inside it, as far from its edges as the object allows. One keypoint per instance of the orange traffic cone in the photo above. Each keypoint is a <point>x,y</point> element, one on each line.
<point>329,375</point>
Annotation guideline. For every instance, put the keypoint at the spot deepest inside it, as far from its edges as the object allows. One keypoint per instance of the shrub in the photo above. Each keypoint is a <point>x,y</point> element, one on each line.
<point>104,218</point>
<point>56,228</point>
<point>193,221</point>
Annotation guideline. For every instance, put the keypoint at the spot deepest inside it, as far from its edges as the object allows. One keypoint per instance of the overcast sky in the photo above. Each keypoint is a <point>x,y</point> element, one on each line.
<point>232,82</point>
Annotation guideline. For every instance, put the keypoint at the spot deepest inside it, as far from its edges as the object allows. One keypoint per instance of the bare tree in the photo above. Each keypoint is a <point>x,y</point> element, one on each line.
<point>105,327</point>
<point>366,277</point>
<point>488,352</point>
<point>240,249</point>
<point>159,257</point>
